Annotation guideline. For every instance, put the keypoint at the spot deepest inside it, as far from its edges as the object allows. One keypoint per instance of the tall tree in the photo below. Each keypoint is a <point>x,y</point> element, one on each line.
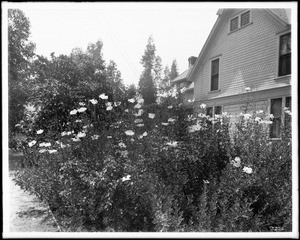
<point>20,53</point>
<point>174,70</point>
<point>147,82</point>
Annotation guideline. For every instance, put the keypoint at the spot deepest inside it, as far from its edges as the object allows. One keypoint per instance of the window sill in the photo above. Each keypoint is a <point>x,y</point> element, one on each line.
<point>214,91</point>
<point>283,77</point>
<point>233,31</point>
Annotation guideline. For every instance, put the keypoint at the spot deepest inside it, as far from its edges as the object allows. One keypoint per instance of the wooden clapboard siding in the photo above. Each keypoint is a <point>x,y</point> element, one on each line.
<point>248,58</point>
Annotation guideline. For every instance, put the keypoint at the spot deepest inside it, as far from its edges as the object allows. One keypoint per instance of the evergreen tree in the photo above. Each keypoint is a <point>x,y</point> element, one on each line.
<point>20,53</point>
<point>174,70</point>
<point>147,80</point>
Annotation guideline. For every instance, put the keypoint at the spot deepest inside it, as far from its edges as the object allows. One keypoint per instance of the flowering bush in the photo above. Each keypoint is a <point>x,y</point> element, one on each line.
<point>123,166</point>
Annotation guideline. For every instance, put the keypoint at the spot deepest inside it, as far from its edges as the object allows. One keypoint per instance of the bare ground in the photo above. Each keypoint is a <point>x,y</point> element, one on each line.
<point>27,212</point>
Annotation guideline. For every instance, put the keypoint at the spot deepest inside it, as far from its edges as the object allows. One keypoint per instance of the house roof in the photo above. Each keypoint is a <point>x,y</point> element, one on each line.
<point>182,76</point>
<point>190,87</point>
<point>282,15</point>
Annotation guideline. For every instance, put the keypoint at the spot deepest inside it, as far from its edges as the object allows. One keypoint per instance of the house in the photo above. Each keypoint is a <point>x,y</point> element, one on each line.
<point>244,65</point>
<point>184,87</point>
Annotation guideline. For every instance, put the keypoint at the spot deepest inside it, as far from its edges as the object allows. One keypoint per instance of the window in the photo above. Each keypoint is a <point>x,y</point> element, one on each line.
<point>234,23</point>
<point>218,110</point>
<point>287,117</point>
<point>239,21</point>
<point>285,55</point>
<point>209,111</point>
<point>276,110</point>
<point>214,75</point>
<point>245,18</point>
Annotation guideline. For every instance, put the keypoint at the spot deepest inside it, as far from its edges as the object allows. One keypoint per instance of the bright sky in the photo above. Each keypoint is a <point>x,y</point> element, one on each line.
<point>179,30</point>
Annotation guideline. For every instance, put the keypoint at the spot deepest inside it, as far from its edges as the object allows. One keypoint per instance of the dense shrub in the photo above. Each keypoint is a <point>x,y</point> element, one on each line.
<point>130,167</point>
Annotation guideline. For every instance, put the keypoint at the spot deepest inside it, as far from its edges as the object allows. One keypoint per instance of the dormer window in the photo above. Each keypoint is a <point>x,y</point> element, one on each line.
<point>234,23</point>
<point>239,21</point>
<point>245,18</point>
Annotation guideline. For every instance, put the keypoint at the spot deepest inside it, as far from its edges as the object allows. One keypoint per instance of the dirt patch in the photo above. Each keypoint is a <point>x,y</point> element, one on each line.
<point>27,212</point>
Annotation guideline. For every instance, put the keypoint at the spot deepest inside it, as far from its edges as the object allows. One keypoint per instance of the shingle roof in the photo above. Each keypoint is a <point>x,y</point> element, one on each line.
<point>282,14</point>
<point>182,76</point>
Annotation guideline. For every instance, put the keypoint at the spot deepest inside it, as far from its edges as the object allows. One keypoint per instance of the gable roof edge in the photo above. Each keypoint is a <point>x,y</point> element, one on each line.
<point>277,17</point>
<point>190,75</point>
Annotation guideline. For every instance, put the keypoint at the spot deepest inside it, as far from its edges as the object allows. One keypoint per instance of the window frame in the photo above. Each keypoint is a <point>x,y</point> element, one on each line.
<point>283,115</point>
<point>279,74</point>
<point>212,75</point>
<point>239,16</point>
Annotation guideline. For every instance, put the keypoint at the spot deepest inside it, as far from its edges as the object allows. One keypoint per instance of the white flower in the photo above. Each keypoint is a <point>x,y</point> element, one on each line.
<point>109,136</point>
<point>117,104</point>
<point>145,134</point>
<point>172,144</point>
<point>247,170</point>
<point>236,162</point>
<point>191,100</point>
<point>81,104</point>
<point>140,125</point>
<point>171,120</point>
<point>63,133</point>
<point>206,181</point>
<point>81,135</point>
<point>151,115</point>
<point>126,110</point>
<point>129,133</point>
<point>247,89</point>
<point>122,145</point>
<point>259,111</point>
<point>140,101</point>
<point>126,178</point>
<point>82,109</point>
<point>131,100</point>
<point>93,101</point>
<point>164,124</point>
<point>183,90</point>
<point>109,108</point>
<point>194,128</point>
<point>39,131</point>
<point>138,106</point>
<point>124,153</point>
<point>73,112</point>
<point>94,137</point>
<point>47,144</point>
<point>43,150</point>
<point>42,144</point>
<point>203,105</point>
<point>103,96</point>
<point>52,151</point>
<point>69,133</point>
<point>170,106</point>
<point>140,112</point>
<point>78,120</point>
<point>76,139</point>
<point>257,119</point>
<point>138,120</point>
<point>33,142</point>
<point>271,116</point>
<point>62,145</point>
<point>266,122</point>
<point>246,115</point>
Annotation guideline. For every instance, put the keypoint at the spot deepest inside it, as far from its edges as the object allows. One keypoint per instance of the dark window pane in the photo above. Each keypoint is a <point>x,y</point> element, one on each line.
<point>285,55</point>
<point>234,23</point>
<point>287,116</point>
<point>215,67</point>
<point>214,82</point>
<point>245,18</point>
<point>288,102</point>
<point>209,111</point>
<point>218,110</point>
<point>276,110</point>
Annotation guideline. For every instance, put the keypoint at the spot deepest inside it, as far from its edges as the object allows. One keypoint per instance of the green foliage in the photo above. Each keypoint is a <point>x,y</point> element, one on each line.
<point>20,52</point>
<point>155,167</point>
<point>147,80</point>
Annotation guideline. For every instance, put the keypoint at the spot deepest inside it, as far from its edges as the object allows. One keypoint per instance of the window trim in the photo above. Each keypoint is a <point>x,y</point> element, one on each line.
<point>283,105</point>
<point>278,55</point>
<point>210,82</point>
<point>239,16</point>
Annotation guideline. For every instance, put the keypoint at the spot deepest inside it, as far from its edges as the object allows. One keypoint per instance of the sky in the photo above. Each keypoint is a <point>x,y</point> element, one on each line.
<point>179,30</point>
